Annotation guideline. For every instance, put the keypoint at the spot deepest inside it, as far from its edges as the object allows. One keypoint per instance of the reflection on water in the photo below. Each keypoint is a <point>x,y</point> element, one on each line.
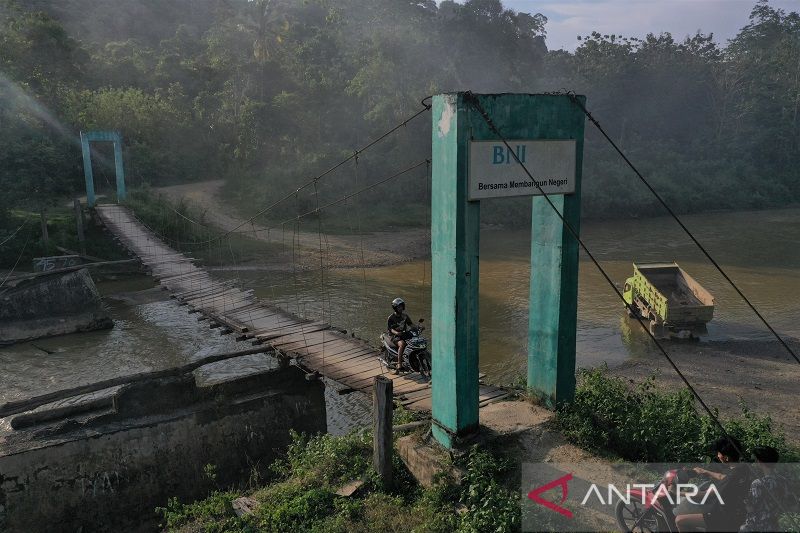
<point>758,249</point>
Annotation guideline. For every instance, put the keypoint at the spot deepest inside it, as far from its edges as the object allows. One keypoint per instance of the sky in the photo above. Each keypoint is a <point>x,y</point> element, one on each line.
<point>636,18</point>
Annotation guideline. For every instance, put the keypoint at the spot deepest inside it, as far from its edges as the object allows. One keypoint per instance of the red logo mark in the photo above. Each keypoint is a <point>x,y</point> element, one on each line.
<point>562,481</point>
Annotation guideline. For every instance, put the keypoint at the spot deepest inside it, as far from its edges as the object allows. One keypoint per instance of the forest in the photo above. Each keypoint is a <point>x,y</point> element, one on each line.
<point>266,93</point>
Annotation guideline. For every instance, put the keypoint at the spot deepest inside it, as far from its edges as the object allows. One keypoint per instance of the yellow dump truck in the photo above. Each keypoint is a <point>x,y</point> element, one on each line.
<point>673,303</point>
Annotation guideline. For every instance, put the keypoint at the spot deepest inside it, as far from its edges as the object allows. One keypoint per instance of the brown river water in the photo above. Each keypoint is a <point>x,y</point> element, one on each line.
<point>759,249</point>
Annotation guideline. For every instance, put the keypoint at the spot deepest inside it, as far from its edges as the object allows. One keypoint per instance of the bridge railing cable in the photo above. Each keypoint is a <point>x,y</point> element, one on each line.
<point>318,209</point>
<point>672,213</point>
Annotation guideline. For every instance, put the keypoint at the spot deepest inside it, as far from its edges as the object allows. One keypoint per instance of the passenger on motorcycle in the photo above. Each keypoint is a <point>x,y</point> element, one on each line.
<point>398,325</point>
<point>732,483</point>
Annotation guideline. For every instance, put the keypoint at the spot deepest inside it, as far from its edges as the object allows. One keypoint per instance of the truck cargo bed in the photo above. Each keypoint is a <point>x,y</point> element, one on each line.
<point>669,298</point>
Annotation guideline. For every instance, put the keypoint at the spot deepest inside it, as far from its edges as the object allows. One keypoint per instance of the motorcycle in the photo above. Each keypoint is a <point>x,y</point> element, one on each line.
<point>656,514</point>
<point>416,357</point>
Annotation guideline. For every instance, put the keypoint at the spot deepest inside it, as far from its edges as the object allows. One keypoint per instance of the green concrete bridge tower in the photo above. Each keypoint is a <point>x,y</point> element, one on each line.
<point>102,136</point>
<point>471,163</point>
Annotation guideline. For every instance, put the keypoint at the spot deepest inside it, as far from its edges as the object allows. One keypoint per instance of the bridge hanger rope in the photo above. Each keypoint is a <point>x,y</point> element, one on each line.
<point>470,97</point>
<point>429,223</point>
<point>360,237</point>
<point>321,271</point>
<point>314,180</point>
<point>19,257</point>
<point>672,213</point>
<point>296,238</point>
<point>319,209</point>
<point>476,103</point>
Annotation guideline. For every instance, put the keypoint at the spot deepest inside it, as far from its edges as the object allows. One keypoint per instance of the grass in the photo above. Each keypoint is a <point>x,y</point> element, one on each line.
<point>301,496</point>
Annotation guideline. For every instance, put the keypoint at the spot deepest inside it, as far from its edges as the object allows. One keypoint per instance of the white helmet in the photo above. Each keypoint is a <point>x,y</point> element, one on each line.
<point>397,302</point>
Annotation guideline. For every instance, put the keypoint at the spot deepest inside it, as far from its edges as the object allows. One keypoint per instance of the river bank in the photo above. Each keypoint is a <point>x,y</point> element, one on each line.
<point>759,375</point>
<point>327,483</point>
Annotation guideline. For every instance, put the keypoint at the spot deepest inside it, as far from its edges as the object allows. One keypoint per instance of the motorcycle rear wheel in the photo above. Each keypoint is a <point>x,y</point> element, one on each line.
<point>628,513</point>
<point>425,364</point>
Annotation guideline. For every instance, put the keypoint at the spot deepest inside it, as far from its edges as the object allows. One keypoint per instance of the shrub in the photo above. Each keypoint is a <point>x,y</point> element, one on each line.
<point>213,514</point>
<point>326,459</point>
<point>644,423</point>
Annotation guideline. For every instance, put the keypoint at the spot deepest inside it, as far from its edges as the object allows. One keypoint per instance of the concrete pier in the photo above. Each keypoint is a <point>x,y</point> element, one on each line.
<point>51,305</point>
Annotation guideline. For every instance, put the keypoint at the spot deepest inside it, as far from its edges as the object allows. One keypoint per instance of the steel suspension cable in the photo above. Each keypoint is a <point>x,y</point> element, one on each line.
<point>702,248</point>
<point>474,101</point>
<point>478,107</point>
<point>356,193</point>
<point>312,181</point>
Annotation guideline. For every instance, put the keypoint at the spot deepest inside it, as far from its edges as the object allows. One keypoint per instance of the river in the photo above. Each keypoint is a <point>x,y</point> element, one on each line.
<point>759,250</point>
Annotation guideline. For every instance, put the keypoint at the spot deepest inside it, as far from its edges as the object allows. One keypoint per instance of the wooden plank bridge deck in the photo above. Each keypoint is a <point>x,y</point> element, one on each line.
<point>315,346</point>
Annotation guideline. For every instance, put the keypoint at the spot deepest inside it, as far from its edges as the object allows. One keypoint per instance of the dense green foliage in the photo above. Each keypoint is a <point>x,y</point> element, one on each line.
<point>264,93</point>
<point>644,423</point>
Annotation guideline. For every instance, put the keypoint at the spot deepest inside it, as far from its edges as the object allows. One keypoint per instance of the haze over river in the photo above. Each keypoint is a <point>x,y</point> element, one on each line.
<point>759,249</point>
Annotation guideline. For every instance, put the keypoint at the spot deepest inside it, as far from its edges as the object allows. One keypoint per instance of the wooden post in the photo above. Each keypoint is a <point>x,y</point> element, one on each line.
<point>79,223</point>
<point>382,429</point>
<point>45,236</point>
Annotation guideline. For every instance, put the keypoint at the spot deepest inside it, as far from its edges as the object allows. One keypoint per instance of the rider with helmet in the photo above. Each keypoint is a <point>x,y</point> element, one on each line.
<point>398,326</point>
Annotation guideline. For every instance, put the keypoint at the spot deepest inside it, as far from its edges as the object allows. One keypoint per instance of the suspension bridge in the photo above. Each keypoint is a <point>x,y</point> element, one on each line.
<point>550,129</point>
<point>315,346</point>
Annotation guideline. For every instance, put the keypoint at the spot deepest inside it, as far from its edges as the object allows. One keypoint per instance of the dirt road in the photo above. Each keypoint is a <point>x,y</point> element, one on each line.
<point>338,251</point>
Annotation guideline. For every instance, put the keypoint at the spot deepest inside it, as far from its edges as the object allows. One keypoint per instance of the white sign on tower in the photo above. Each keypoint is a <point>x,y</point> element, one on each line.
<point>493,171</point>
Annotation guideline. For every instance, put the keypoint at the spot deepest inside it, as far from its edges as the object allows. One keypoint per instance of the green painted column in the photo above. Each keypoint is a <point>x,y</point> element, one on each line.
<point>552,320</point>
<point>120,169</point>
<point>454,261</point>
<point>455,242</point>
<point>87,170</point>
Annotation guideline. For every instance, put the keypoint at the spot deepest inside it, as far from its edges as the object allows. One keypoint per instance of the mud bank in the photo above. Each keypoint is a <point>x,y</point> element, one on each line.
<point>46,306</point>
<point>125,451</point>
